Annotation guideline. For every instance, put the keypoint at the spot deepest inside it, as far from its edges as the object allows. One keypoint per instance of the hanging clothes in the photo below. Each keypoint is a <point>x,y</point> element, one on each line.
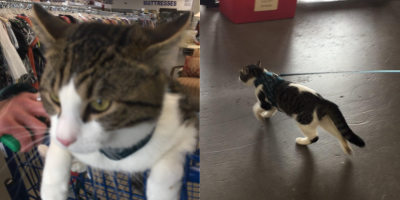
<point>11,34</point>
<point>5,77</point>
<point>30,40</point>
<point>14,62</point>
<point>21,54</point>
<point>80,20</point>
<point>84,18</point>
<point>147,23</point>
<point>71,19</point>
<point>64,18</point>
<point>40,61</point>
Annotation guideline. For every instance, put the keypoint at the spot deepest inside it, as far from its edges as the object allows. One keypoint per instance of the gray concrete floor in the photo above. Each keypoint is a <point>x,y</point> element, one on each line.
<point>4,174</point>
<point>243,159</point>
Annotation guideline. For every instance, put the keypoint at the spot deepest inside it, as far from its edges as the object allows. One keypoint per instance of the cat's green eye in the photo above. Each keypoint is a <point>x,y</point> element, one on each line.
<point>54,97</point>
<point>100,105</point>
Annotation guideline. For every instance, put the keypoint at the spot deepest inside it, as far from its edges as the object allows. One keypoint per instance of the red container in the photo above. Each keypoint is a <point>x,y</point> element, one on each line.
<point>244,11</point>
<point>74,174</point>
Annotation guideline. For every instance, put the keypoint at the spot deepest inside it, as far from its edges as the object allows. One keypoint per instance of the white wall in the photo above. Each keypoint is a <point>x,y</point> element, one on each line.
<point>196,6</point>
<point>152,4</point>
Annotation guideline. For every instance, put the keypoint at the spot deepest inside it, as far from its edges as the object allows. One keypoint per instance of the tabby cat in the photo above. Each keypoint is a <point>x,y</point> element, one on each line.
<point>111,104</point>
<point>307,107</point>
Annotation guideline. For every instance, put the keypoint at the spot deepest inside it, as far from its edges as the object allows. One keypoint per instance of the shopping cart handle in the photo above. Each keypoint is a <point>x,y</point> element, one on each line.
<point>10,142</point>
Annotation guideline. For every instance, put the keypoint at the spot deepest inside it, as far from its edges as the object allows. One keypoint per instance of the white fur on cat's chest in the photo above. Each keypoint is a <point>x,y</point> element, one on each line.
<point>169,133</point>
<point>164,155</point>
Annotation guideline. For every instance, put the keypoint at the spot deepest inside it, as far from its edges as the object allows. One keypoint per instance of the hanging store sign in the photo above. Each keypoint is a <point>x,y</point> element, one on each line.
<point>159,3</point>
<point>149,4</point>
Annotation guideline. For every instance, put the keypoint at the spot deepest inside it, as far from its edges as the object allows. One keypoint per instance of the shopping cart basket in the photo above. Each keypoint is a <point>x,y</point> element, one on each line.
<point>26,170</point>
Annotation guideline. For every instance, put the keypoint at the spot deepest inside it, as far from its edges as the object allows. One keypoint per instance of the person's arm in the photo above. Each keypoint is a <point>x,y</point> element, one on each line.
<point>19,109</point>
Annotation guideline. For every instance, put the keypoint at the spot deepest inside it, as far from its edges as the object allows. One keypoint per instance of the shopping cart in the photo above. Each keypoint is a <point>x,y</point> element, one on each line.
<point>26,170</point>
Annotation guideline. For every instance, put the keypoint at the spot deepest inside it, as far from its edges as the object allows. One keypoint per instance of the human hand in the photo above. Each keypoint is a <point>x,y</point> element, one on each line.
<point>19,113</point>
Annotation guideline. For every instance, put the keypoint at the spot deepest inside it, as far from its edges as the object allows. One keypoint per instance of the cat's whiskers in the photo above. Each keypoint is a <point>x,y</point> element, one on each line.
<point>25,174</point>
<point>34,151</point>
<point>11,127</point>
<point>18,137</point>
<point>31,144</point>
<point>23,132</point>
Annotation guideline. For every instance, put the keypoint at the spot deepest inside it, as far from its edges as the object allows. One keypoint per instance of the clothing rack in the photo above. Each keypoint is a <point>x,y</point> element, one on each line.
<point>21,55</point>
<point>27,5</point>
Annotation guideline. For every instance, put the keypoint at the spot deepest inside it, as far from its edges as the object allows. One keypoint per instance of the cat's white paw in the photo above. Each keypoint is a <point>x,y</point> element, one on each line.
<point>257,112</point>
<point>265,114</point>
<point>303,141</point>
<point>53,192</point>
<point>260,118</point>
<point>78,167</point>
<point>268,114</point>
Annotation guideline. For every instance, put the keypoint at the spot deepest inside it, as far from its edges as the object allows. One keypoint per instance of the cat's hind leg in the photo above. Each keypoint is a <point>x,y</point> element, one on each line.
<point>310,131</point>
<point>327,124</point>
<point>308,125</point>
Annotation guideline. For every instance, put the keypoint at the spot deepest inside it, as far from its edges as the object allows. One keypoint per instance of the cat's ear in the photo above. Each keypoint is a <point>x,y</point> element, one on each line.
<point>48,27</point>
<point>259,64</point>
<point>167,34</point>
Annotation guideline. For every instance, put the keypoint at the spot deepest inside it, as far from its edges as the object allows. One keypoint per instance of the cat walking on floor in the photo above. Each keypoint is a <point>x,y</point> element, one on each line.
<point>303,104</point>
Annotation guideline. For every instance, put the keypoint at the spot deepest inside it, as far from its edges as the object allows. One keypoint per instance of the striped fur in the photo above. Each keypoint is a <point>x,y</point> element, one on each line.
<point>121,64</point>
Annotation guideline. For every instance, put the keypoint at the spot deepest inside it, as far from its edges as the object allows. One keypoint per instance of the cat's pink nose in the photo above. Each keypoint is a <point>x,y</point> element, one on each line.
<point>66,142</point>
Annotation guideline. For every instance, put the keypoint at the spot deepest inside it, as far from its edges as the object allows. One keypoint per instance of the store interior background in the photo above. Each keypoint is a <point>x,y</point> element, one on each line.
<point>130,6</point>
<point>177,58</point>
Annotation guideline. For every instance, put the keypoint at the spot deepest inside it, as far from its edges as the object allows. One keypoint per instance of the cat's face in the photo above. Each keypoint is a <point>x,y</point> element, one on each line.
<point>103,85</point>
<point>249,73</point>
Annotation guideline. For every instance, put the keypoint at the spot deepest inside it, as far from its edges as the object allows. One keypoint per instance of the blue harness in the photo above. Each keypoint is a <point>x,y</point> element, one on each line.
<point>121,153</point>
<point>269,81</point>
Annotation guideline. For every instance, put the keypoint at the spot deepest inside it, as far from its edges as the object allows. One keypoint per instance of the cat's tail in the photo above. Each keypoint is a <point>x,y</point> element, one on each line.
<point>340,122</point>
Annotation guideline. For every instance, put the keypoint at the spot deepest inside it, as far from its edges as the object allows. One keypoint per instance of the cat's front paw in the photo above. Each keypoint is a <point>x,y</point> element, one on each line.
<point>303,141</point>
<point>78,167</point>
<point>53,192</point>
<point>265,114</point>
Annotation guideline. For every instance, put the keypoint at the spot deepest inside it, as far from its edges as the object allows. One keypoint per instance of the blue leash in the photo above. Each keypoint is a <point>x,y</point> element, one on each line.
<point>343,72</point>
